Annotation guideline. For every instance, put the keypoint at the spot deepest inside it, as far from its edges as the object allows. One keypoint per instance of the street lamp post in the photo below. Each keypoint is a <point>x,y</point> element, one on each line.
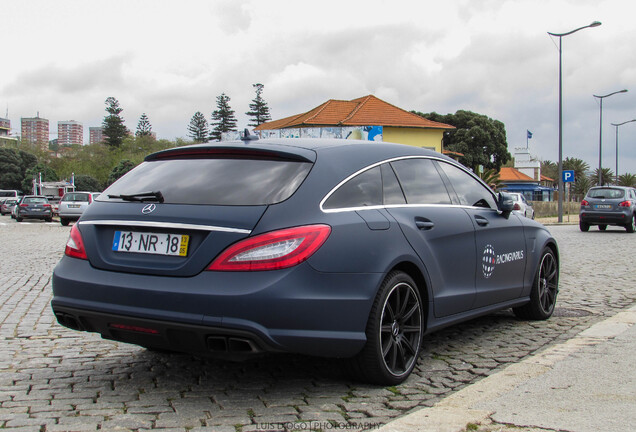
<point>560,36</point>
<point>617,125</point>
<point>600,135</point>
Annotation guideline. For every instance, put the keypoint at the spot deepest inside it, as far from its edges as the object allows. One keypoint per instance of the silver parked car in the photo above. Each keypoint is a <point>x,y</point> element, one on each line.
<point>73,204</point>
<point>522,207</point>
<point>609,205</point>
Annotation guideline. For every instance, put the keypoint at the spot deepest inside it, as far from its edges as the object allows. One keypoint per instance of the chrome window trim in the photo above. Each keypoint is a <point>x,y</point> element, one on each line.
<point>169,225</point>
<point>340,210</point>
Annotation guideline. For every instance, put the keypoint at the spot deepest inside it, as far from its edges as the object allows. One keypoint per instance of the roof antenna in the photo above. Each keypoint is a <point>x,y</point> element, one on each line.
<point>246,136</point>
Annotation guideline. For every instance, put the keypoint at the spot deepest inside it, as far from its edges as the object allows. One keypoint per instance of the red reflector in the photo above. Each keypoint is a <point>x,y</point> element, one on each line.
<point>134,328</point>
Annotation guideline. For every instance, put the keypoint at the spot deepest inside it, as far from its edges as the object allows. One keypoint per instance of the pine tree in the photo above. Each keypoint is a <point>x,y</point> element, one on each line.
<point>223,118</point>
<point>259,111</point>
<point>114,128</point>
<point>198,128</point>
<point>144,128</point>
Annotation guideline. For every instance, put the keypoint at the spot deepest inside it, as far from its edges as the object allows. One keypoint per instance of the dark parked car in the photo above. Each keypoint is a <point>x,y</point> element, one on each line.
<point>323,247</point>
<point>609,205</point>
<point>33,207</point>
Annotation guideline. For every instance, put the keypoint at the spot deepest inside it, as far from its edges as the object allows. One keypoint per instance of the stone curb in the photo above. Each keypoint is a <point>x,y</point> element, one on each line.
<point>455,412</point>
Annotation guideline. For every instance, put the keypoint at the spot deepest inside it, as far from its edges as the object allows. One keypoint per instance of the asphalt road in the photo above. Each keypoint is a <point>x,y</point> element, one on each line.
<point>55,379</point>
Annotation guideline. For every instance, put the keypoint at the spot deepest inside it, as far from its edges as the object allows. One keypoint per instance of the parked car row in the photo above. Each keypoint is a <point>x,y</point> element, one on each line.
<point>69,208</point>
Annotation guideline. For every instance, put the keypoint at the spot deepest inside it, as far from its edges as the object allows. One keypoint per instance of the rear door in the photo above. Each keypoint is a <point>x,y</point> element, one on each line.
<point>440,233</point>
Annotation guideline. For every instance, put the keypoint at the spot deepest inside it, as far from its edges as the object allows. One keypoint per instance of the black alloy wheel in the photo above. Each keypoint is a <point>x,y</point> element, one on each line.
<point>394,333</point>
<point>544,290</point>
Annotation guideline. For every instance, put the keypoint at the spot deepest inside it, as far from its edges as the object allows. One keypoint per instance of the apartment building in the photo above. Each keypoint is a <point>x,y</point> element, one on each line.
<point>35,131</point>
<point>96,135</point>
<point>70,132</point>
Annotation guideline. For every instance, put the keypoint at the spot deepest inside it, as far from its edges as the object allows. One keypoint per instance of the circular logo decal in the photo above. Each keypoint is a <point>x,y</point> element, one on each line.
<point>488,261</point>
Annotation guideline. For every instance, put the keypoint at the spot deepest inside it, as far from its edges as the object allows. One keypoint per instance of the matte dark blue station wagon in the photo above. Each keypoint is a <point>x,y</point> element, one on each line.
<point>332,248</point>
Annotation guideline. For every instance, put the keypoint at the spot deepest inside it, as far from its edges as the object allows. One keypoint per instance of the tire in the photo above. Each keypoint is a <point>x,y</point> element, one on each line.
<point>48,219</point>
<point>544,289</point>
<point>64,222</point>
<point>631,226</point>
<point>18,219</point>
<point>602,227</point>
<point>584,227</point>
<point>394,333</point>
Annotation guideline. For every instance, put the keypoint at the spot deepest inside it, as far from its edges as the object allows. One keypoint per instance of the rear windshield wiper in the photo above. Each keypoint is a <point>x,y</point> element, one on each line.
<point>141,196</point>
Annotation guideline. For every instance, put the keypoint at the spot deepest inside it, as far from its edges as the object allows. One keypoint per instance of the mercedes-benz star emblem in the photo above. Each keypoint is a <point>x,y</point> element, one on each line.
<point>148,209</point>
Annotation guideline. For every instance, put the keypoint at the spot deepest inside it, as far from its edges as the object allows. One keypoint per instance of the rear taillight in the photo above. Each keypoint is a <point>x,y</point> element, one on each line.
<point>47,205</point>
<point>75,245</point>
<point>584,203</point>
<point>272,251</point>
<point>516,207</point>
<point>24,205</point>
<point>90,198</point>
<point>625,204</point>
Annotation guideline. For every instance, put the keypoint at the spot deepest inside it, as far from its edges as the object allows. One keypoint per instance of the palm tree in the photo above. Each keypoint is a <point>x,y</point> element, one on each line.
<point>550,169</point>
<point>627,180</point>
<point>579,166</point>
<point>581,186</point>
<point>607,176</point>
<point>491,177</point>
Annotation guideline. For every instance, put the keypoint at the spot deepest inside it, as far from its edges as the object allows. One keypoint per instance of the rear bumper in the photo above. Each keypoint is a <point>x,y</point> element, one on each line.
<point>35,215</point>
<point>601,218</point>
<point>294,310</point>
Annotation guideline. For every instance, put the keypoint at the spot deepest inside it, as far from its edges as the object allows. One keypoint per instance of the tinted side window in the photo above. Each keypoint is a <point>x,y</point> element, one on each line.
<point>365,189</point>
<point>421,182</point>
<point>469,191</point>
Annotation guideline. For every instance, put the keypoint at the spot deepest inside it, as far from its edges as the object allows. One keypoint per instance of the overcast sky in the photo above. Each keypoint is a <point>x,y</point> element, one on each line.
<point>170,59</point>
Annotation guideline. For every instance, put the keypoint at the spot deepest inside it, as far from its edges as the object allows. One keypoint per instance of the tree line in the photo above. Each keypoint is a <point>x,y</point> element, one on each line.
<point>583,177</point>
<point>223,118</point>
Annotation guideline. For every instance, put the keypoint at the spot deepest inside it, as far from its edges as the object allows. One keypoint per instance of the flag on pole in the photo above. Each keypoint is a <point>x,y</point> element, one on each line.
<point>529,134</point>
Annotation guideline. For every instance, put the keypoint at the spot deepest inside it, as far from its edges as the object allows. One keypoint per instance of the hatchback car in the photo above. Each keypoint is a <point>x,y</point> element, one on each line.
<point>609,205</point>
<point>33,207</point>
<point>73,204</point>
<point>7,206</point>
<point>521,205</point>
<point>323,247</point>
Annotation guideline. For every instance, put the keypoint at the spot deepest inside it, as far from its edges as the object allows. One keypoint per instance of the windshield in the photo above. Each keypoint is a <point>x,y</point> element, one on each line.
<point>606,193</point>
<point>223,181</point>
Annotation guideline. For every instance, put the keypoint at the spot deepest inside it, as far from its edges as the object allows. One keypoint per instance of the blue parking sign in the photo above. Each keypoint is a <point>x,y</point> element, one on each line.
<point>568,176</point>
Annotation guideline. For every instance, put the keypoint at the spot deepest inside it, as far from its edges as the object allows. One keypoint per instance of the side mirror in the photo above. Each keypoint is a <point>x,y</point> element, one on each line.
<point>505,204</point>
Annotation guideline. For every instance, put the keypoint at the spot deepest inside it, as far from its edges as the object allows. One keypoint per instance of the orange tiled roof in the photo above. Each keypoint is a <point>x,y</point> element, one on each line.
<point>511,174</point>
<point>544,178</point>
<point>364,111</point>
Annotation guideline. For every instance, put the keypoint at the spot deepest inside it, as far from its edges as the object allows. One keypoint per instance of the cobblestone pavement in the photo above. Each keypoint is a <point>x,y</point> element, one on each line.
<point>54,379</point>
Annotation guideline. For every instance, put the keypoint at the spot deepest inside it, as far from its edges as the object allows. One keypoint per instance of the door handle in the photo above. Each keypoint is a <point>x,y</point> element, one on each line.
<point>424,224</point>
<point>481,221</point>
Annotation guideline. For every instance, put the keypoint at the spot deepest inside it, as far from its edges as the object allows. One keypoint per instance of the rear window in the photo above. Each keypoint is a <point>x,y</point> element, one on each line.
<point>35,200</point>
<point>606,193</point>
<point>75,197</point>
<point>223,181</point>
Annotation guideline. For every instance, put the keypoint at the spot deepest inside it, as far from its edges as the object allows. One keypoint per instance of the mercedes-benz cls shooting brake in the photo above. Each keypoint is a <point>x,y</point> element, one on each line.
<point>333,248</point>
